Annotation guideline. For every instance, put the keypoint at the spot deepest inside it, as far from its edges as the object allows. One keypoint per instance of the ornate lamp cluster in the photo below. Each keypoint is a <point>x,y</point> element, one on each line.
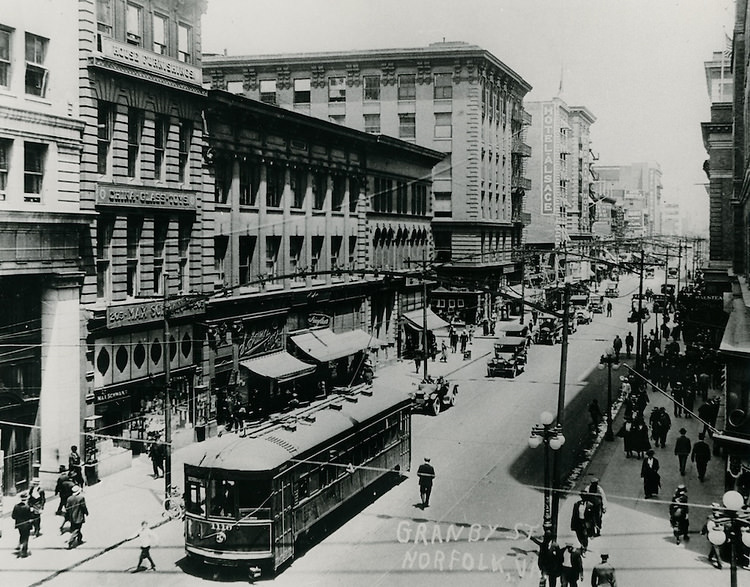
<point>609,361</point>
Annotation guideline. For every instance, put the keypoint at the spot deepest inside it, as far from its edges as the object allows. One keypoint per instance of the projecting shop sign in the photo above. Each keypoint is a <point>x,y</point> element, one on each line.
<point>548,159</point>
<point>129,196</point>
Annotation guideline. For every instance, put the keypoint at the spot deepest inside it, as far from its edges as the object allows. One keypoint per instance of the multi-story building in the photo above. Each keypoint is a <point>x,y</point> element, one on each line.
<point>315,229</point>
<point>41,222</point>
<point>141,175</point>
<point>452,97</point>
<point>559,202</point>
<point>641,188</point>
<point>718,141</point>
<point>671,220</point>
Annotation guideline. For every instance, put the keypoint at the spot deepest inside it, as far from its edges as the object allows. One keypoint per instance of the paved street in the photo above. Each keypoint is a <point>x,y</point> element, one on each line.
<point>487,496</point>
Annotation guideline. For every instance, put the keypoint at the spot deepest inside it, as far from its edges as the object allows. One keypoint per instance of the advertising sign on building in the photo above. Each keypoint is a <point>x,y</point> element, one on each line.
<point>151,62</point>
<point>130,196</point>
<point>152,311</point>
<point>548,160</point>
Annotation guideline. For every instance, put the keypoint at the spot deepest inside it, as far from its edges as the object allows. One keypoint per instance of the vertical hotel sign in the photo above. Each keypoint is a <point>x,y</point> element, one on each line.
<point>548,159</point>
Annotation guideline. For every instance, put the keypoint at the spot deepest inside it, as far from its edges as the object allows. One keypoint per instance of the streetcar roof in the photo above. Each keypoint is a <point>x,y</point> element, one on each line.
<point>272,446</point>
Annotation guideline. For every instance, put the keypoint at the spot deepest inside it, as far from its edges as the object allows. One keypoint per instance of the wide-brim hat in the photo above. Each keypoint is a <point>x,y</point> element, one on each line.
<point>23,495</point>
<point>76,490</point>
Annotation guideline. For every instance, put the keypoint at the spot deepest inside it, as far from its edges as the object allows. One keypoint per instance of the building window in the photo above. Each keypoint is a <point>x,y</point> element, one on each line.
<point>337,89</point>
<point>353,194</point>
<point>103,20</point>
<point>299,187</point>
<point>183,154</point>
<point>443,86</point>
<point>161,229</point>
<point>371,88</point>
<point>419,199</point>
<point>407,126</point>
<point>382,200</point>
<point>302,91</point>
<point>184,43</point>
<point>33,167</point>
<point>36,73</point>
<point>273,244</point>
<point>443,125</point>
<point>5,36</point>
<point>236,87</point>
<point>221,244</point>
<point>160,34</point>
<point>443,246</point>
<point>407,86</point>
<point>135,133</point>
<point>402,198</point>
<point>336,251</point>
<point>372,123</point>
<point>338,191</point>
<point>246,252</point>
<point>105,123</point>
<point>320,187</point>
<point>249,182</point>
<point>133,26</point>
<point>5,146</point>
<point>352,252</point>
<point>183,250</point>
<point>161,136</point>
<point>222,180</point>
<point>133,252</point>
<point>104,229</point>
<point>268,91</point>
<point>316,250</point>
<point>295,253</point>
<point>275,180</point>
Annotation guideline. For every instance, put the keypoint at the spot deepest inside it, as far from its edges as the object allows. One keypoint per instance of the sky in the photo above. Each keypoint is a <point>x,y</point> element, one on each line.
<point>637,65</point>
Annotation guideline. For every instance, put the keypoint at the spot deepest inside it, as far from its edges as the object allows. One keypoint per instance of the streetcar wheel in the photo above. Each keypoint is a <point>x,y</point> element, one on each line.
<point>436,406</point>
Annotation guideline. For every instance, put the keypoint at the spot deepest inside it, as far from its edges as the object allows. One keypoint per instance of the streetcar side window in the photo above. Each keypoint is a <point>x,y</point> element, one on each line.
<point>252,495</point>
<point>221,498</point>
<point>195,497</point>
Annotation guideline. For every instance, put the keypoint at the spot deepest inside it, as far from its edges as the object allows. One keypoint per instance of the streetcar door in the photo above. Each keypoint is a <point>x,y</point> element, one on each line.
<point>283,516</point>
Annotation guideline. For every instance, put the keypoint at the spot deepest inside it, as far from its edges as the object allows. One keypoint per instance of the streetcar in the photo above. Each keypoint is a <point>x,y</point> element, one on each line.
<point>249,500</point>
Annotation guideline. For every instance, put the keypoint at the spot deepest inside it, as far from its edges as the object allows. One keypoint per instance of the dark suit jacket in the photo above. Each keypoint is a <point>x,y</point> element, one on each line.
<point>76,509</point>
<point>701,452</point>
<point>587,522</point>
<point>426,474</point>
<point>682,445</point>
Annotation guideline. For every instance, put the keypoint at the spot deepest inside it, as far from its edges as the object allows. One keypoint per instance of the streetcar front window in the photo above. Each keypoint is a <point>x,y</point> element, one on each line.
<point>221,498</point>
<point>195,497</point>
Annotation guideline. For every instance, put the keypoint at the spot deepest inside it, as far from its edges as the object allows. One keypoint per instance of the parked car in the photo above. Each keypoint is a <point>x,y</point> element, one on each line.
<point>650,272</point>
<point>660,301</point>
<point>510,357</point>
<point>434,395</point>
<point>612,292</point>
<point>595,307</point>
<point>583,316</point>
<point>550,329</point>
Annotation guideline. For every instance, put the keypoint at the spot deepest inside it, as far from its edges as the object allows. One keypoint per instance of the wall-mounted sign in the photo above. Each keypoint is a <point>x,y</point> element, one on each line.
<point>151,62</point>
<point>129,196</point>
<point>548,159</point>
<point>152,311</point>
<point>318,321</point>
<point>105,395</point>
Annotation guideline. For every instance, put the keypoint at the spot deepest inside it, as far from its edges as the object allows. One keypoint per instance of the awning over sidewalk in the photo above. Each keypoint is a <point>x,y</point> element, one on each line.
<point>415,319</point>
<point>325,345</point>
<point>280,366</point>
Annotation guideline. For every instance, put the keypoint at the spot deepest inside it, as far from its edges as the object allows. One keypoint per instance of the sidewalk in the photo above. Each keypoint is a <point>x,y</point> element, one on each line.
<point>119,502</point>
<point>636,532</point>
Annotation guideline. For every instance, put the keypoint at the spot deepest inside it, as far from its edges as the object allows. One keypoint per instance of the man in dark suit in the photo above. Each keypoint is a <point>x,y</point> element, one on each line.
<point>76,513</point>
<point>23,517</point>
<point>701,455</point>
<point>426,474</point>
<point>682,448</point>
<point>582,521</point>
<point>650,474</point>
<point>62,491</point>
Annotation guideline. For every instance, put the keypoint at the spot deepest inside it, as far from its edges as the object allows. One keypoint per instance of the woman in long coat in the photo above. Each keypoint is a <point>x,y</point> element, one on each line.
<point>640,438</point>
<point>650,474</point>
<point>626,433</point>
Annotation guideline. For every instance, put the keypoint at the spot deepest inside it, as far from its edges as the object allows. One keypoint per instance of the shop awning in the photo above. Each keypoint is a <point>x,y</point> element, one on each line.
<point>325,345</point>
<point>280,366</point>
<point>415,319</point>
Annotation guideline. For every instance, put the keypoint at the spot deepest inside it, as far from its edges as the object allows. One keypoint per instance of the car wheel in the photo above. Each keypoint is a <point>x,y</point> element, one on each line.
<point>452,400</point>
<point>436,406</point>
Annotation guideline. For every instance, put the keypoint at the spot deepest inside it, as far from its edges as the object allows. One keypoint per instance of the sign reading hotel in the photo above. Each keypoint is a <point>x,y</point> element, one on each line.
<point>151,62</point>
<point>130,196</point>
<point>548,159</point>
<point>152,311</point>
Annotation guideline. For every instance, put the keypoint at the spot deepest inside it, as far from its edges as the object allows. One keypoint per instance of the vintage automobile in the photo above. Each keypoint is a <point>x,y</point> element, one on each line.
<point>595,307</point>
<point>650,272</point>
<point>612,292</point>
<point>434,395</point>
<point>515,328</point>
<point>510,357</point>
<point>583,315</point>
<point>660,302</point>
<point>550,329</point>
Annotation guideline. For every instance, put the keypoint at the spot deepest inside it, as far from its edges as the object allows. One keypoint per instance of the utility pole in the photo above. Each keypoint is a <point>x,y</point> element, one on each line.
<point>679,264</point>
<point>167,400</point>
<point>560,408</point>
<point>523,287</point>
<point>424,317</point>
<point>639,342</point>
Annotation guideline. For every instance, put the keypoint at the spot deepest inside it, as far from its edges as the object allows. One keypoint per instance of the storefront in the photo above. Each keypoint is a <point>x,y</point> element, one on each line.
<point>413,326</point>
<point>275,381</point>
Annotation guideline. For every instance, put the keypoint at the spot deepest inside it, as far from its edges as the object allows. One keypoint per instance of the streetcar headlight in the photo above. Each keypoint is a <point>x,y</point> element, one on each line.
<point>221,537</point>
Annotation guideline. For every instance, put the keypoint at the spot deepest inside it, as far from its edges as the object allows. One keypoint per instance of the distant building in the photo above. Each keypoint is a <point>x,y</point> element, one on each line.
<point>671,220</point>
<point>452,97</point>
<point>41,224</point>
<point>561,196</point>
<point>641,187</point>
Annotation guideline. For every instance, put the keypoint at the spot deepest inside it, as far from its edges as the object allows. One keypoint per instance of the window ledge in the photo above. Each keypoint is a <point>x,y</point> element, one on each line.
<point>38,99</point>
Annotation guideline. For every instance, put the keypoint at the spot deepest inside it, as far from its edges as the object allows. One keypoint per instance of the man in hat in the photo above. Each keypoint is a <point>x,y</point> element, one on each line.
<point>63,489</point>
<point>650,474</point>
<point>678,513</point>
<point>426,474</point>
<point>76,514</point>
<point>701,455</point>
<point>571,567</point>
<point>682,448</point>
<point>23,517</point>
<point>37,499</point>
<point>603,573</point>
<point>595,494</point>
<point>582,520</point>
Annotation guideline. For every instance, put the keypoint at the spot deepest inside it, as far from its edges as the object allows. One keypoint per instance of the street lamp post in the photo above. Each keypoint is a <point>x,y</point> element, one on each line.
<point>552,438</point>
<point>732,522</point>
<point>609,360</point>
